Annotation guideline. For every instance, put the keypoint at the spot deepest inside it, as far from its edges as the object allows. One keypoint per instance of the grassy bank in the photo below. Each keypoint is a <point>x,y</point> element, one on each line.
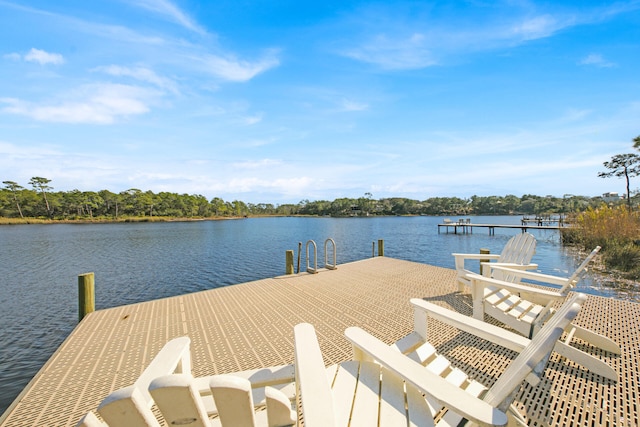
<point>97,220</point>
<point>616,230</point>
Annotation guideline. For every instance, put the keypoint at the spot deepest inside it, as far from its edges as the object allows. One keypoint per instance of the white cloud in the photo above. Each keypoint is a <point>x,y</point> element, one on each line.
<point>43,58</point>
<point>164,7</point>
<point>596,60</point>
<point>394,53</point>
<point>538,27</point>
<point>97,104</point>
<point>142,74</point>
<point>258,164</point>
<point>237,70</point>
<point>252,120</point>
<point>349,105</point>
<point>394,40</point>
<point>573,115</point>
<point>36,55</point>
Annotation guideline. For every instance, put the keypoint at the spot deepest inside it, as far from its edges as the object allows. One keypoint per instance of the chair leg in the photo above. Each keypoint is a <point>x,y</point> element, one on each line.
<point>596,340</point>
<point>593,364</point>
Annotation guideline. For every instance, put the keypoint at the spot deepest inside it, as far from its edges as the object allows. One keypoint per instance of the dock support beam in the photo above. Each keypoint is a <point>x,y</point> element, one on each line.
<point>289,262</point>
<point>86,294</point>
<point>380,247</point>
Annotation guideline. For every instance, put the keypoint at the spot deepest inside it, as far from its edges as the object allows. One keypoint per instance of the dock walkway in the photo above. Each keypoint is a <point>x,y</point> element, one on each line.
<point>250,325</point>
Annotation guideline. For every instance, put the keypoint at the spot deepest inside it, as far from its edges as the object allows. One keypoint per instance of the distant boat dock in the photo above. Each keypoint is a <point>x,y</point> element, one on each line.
<point>465,226</point>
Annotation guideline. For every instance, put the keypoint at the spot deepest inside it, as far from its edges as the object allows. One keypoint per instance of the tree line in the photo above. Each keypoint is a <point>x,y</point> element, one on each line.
<point>41,201</point>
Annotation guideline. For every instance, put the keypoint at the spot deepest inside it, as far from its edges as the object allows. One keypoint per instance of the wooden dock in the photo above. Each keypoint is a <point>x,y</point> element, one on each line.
<point>467,227</point>
<point>250,326</point>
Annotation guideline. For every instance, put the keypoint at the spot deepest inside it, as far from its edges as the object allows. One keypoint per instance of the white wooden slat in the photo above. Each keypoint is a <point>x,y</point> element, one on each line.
<point>344,389</point>
<point>392,401</point>
<point>520,309</point>
<point>408,343</point>
<point>530,316</point>
<point>311,379</point>
<point>456,377</point>
<point>439,365</point>
<point>420,412</point>
<point>366,403</point>
<point>506,304</point>
<point>424,353</point>
<point>178,400</point>
<point>475,388</point>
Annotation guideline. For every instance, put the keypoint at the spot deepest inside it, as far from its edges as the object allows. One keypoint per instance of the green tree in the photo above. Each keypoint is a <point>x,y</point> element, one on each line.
<point>14,188</point>
<point>623,165</point>
<point>41,184</point>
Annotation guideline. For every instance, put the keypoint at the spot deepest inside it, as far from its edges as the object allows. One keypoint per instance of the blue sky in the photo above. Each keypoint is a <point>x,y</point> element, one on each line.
<point>279,101</point>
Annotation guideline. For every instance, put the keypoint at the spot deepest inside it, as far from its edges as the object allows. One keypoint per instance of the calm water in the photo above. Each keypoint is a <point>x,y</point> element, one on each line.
<point>143,261</point>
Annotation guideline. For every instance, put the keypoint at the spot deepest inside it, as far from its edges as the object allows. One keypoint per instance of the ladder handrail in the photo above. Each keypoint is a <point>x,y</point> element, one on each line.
<point>315,257</point>
<point>326,263</point>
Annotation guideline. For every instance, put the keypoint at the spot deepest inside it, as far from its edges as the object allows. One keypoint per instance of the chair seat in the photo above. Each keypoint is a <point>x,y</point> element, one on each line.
<point>366,394</point>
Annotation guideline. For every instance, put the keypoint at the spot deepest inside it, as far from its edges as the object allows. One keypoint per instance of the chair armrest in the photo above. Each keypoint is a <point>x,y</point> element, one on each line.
<point>521,274</point>
<point>476,256</point>
<point>445,393</point>
<point>544,294</point>
<point>314,391</point>
<point>473,326</point>
<point>530,266</point>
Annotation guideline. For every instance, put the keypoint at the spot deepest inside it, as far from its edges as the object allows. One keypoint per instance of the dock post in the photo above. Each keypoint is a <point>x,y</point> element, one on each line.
<point>380,247</point>
<point>483,251</point>
<point>299,251</point>
<point>86,294</point>
<point>373,249</point>
<point>289,262</point>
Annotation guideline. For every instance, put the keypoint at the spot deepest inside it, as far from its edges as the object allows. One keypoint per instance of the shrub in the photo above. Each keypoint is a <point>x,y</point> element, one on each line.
<point>615,229</point>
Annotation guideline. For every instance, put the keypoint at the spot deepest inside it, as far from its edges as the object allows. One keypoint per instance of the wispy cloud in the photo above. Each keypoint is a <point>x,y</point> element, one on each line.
<point>168,9</point>
<point>96,104</point>
<point>252,120</point>
<point>398,41</point>
<point>142,74</point>
<point>596,60</point>
<point>237,70</point>
<point>258,164</point>
<point>393,53</point>
<point>36,55</point>
<point>350,105</point>
<point>538,27</point>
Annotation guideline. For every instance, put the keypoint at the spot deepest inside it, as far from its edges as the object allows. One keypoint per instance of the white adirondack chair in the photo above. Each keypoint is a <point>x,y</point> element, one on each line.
<point>410,384</point>
<point>516,254</point>
<point>526,308</point>
<point>219,400</point>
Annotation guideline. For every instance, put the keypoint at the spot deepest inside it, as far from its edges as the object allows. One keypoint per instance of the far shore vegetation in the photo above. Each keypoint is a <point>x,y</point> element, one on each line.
<point>608,220</point>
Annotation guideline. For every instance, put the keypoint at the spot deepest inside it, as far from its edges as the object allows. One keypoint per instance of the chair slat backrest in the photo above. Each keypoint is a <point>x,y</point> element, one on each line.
<point>534,357</point>
<point>518,250</point>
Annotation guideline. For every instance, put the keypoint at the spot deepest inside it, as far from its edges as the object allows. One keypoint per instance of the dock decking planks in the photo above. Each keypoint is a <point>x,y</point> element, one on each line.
<point>250,325</point>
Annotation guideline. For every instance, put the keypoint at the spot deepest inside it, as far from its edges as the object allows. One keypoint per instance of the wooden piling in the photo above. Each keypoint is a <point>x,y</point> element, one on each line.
<point>380,247</point>
<point>483,251</point>
<point>289,262</point>
<point>86,295</point>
